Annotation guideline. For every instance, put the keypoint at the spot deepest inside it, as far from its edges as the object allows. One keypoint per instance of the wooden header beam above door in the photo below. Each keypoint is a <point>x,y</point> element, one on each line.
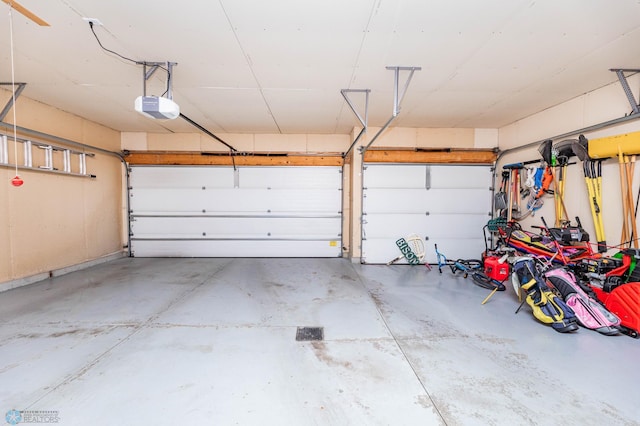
<point>373,155</point>
<point>430,156</point>
<point>166,158</point>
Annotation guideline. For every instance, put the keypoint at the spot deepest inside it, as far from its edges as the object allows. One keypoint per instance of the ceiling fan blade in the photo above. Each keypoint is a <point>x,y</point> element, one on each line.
<point>26,12</point>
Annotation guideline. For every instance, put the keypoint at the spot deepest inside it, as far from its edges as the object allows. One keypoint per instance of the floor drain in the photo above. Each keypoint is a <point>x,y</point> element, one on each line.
<point>305,334</point>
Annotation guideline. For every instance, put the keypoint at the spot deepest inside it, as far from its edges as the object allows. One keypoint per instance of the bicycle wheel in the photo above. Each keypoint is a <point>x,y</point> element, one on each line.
<point>467,266</point>
<point>471,264</point>
<point>482,280</point>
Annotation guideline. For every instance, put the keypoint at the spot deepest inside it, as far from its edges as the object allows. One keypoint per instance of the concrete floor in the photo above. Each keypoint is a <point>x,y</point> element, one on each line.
<point>212,342</point>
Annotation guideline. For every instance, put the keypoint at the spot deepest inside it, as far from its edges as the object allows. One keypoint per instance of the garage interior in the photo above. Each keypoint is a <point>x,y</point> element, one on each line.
<point>229,265</point>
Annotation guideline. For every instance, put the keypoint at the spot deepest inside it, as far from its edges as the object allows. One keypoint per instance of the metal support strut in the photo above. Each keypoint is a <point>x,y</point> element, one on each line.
<point>362,120</point>
<point>625,86</point>
<point>16,94</point>
<point>398,95</point>
<point>149,68</point>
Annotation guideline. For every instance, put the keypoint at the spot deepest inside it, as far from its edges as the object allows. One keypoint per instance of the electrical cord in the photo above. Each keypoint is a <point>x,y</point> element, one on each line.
<point>124,57</point>
<point>111,51</point>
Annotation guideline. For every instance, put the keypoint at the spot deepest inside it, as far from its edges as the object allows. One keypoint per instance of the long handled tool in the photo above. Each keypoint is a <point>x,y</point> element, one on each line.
<point>516,194</point>
<point>563,152</point>
<point>633,208</point>
<point>594,172</point>
<point>625,205</point>
<point>558,194</point>
<point>509,197</point>
<point>593,179</point>
<point>545,150</point>
<point>632,229</point>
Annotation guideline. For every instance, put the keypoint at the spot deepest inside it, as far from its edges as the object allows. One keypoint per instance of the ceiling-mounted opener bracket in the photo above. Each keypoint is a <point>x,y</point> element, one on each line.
<point>16,93</point>
<point>149,68</point>
<point>363,120</point>
<point>398,96</point>
<point>625,86</point>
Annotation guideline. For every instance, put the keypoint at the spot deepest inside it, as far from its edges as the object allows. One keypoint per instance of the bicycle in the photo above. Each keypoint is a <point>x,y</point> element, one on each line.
<point>473,267</point>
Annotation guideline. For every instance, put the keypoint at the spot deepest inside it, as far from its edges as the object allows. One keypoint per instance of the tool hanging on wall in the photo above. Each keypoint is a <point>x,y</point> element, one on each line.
<point>625,146</point>
<point>592,170</point>
<point>595,169</point>
<point>522,193</point>
<point>500,199</point>
<point>562,152</point>
<point>513,203</point>
<point>632,207</point>
<point>558,195</point>
<point>515,194</point>
<point>546,150</point>
<point>534,189</point>
<point>513,191</point>
<point>629,228</point>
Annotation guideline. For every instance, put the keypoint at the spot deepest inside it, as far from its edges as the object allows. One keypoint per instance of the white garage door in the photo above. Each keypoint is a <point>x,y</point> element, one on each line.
<point>209,211</point>
<point>447,205</point>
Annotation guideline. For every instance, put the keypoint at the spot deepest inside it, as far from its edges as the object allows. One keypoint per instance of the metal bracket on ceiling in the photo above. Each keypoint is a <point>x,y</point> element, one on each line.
<point>398,95</point>
<point>625,86</point>
<point>149,68</point>
<point>363,121</point>
<point>16,93</point>
<point>344,93</point>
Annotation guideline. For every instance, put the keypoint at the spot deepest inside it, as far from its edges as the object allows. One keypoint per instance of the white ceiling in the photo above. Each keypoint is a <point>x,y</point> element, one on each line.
<point>277,66</point>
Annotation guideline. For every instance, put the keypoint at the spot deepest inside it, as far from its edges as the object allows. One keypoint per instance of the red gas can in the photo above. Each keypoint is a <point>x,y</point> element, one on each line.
<point>494,269</point>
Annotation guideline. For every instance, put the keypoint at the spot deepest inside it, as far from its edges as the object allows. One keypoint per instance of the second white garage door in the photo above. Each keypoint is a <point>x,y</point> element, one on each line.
<point>208,211</point>
<point>448,205</point>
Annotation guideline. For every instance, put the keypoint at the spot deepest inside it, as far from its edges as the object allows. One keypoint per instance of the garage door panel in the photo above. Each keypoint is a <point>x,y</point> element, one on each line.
<point>258,212</point>
<point>226,177</point>
<point>181,177</point>
<point>433,226</point>
<point>262,177</point>
<point>396,176</point>
<point>422,176</point>
<point>434,201</point>
<point>235,200</point>
<point>467,177</point>
<point>394,226</point>
<point>449,205</point>
<point>225,227</point>
<point>236,248</point>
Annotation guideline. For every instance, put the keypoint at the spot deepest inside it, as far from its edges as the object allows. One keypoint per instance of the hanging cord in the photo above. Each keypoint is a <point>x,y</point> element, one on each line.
<point>116,53</point>
<point>13,96</point>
